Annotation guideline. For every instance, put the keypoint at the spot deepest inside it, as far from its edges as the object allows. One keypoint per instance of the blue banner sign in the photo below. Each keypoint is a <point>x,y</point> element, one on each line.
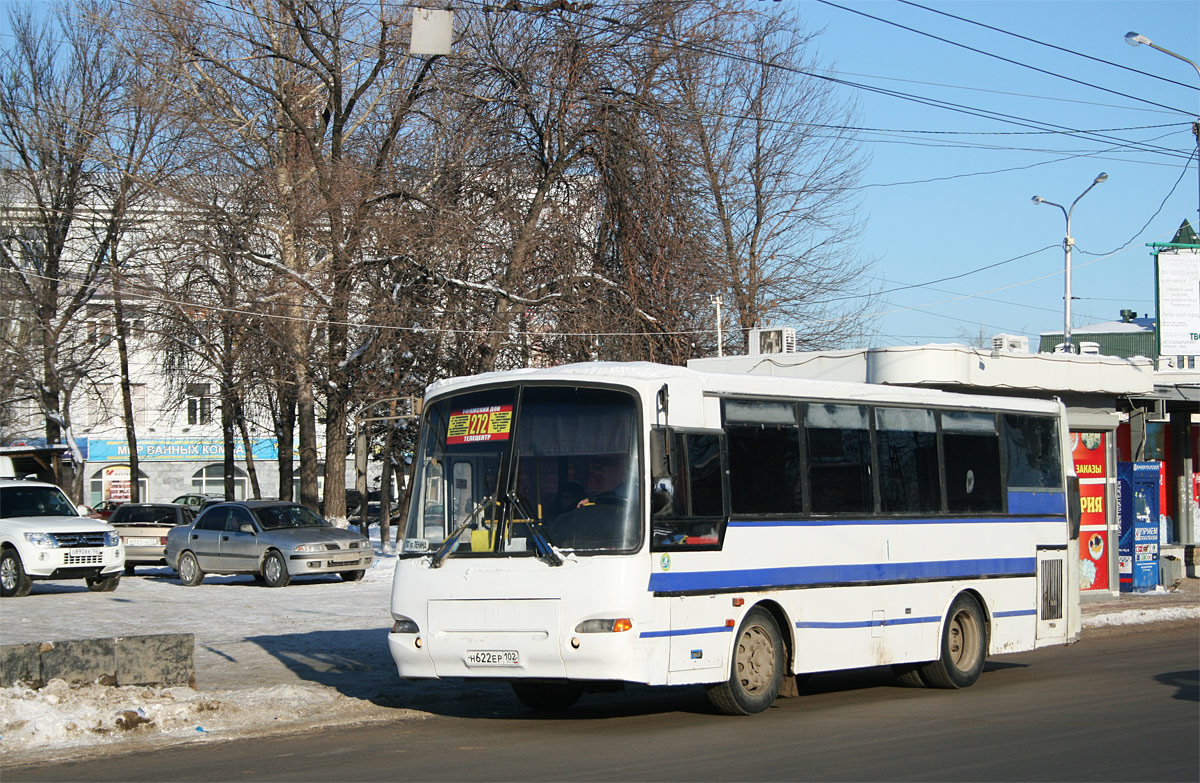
<point>178,449</point>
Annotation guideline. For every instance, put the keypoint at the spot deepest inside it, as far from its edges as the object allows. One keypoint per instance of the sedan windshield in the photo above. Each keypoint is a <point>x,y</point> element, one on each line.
<point>511,473</point>
<point>278,517</point>
<point>35,501</point>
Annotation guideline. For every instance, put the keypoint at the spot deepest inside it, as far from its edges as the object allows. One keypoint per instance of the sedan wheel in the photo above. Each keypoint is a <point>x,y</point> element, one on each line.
<point>189,570</point>
<point>274,570</point>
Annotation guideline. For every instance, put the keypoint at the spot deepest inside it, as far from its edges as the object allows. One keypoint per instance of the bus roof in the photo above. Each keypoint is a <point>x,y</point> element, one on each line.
<point>648,377</point>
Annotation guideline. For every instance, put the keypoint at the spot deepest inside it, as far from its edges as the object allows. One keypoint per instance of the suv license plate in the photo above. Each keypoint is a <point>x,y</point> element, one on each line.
<point>492,658</point>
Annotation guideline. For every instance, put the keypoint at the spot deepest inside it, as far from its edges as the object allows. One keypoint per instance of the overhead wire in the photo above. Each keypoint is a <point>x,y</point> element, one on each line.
<point>985,53</point>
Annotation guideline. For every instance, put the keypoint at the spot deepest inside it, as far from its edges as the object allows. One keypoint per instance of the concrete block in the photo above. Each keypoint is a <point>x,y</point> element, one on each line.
<point>20,663</point>
<point>80,660</point>
<point>158,659</point>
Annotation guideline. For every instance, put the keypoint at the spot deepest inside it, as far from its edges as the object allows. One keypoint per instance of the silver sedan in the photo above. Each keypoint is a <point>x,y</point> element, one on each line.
<point>273,540</point>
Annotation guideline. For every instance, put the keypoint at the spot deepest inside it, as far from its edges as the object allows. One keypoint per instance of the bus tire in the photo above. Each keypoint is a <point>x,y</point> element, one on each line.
<point>908,674</point>
<point>963,648</point>
<point>547,696</point>
<point>756,668</point>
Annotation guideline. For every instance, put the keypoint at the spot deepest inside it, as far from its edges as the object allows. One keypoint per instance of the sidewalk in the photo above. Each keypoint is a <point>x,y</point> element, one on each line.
<point>1180,602</point>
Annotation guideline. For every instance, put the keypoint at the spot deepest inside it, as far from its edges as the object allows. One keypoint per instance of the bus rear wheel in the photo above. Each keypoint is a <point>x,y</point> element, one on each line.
<point>547,696</point>
<point>756,671</point>
<point>963,649</point>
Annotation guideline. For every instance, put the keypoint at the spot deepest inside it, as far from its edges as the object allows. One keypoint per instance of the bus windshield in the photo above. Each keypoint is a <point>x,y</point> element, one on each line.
<point>506,466</point>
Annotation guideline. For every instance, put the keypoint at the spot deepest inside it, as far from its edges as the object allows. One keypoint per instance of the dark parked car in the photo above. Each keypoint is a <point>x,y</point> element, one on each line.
<point>144,527</point>
<point>197,501</point>
<point>271,539</point>
<point>105,508</point>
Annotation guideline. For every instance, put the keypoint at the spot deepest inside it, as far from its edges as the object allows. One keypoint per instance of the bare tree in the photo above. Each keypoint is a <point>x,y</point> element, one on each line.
<point>59,95</point>
<point>317,96</point>
<point>778,167</point>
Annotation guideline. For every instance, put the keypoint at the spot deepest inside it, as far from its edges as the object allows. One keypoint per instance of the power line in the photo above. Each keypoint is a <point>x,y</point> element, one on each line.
<point>999,57</point>
<point>1050,45</point>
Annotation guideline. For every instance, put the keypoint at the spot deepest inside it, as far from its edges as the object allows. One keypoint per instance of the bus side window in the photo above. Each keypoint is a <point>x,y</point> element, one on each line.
<point>1031,445</point>
<point>971,455</point>
<point>686,503</point>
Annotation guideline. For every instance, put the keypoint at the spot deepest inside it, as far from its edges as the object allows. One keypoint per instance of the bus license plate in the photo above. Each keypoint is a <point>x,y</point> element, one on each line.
<point>492,658</point>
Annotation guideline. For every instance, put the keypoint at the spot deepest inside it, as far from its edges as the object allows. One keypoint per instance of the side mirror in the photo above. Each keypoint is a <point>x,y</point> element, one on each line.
<point>660,500</point>
<point>83,510</point>
<point>1074,507</point>
<point>247,528</point>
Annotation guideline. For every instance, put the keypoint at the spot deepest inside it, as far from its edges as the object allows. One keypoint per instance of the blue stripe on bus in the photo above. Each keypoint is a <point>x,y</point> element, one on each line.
<point>865,623</point>
<point>921,521</point>
<point>828,625</point>
<point>1016,613</point>
<point>752,578</point>
<point>686,631</point>
<point>1037,503</point>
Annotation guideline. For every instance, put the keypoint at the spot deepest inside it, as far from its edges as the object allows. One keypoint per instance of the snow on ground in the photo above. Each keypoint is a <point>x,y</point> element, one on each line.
<point>1164,614</point>
<point>266,660</point>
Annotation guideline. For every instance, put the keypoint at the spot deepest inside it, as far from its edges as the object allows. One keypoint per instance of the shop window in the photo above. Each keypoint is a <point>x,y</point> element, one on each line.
<point>211,480</point>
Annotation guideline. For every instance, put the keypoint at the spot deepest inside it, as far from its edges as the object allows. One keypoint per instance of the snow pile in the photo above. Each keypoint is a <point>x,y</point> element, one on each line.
<point>61,715</point>
<point>1164,614</point>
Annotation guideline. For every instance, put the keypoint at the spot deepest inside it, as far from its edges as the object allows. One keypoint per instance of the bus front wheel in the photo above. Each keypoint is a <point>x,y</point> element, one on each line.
<point>756,671</point>
<point>963,648</point>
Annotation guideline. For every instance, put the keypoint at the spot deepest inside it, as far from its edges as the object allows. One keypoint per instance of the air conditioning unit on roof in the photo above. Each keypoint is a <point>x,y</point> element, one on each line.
<point>779,339</point>
<point>1010,343</point>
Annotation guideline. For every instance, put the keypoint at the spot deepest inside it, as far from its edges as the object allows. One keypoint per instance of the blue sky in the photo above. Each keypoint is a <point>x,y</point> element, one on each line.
<point>948,192</point>
<point>966,217</point>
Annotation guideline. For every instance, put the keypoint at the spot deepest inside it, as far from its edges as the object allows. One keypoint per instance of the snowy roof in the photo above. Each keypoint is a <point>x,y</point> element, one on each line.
<point>1111,327</point>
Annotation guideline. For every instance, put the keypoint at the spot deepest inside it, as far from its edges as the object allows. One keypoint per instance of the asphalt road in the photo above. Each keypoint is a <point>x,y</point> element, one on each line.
<point>1120,705</point>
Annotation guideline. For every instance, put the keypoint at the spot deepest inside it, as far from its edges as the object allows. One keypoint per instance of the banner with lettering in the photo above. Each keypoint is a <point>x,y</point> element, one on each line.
<point>474,425</point>
<point>1089,450</point>
<point>178,449</point>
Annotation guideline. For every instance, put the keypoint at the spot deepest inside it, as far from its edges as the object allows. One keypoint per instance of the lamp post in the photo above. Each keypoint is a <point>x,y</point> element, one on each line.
<point>1137,39</point>
<point>1068,243</point>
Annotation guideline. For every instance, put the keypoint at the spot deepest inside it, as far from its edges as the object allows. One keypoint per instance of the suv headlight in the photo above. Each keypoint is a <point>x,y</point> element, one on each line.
<point>43,540</point>
<point>112,539</point>
<point>311,548</point>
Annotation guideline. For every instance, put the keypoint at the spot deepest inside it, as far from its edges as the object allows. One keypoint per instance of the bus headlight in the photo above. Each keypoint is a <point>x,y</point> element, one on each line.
<point>617,625</point>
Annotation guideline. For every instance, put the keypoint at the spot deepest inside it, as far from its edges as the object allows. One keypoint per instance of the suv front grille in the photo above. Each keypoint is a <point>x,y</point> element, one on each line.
<point>79,539</point>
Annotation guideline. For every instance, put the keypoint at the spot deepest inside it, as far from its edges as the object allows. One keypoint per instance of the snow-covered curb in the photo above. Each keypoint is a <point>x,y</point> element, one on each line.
<point>94,716</point>
<point>1139,616</point>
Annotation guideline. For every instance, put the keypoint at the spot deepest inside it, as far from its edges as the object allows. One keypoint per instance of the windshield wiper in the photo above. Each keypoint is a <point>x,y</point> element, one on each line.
<point>541,542</point>
<point>440,555</point>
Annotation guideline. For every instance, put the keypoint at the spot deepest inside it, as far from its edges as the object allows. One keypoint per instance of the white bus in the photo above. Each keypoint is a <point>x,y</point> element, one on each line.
<point>583,526</point>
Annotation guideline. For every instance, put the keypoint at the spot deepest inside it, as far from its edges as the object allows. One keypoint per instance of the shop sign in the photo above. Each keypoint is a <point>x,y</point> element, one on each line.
<point>1091,466</point>
<point>178,449</point>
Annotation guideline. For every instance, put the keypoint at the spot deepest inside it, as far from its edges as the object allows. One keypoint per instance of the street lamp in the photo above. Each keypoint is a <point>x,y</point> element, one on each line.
<point>1137,39</point>
<point>1068,243</point>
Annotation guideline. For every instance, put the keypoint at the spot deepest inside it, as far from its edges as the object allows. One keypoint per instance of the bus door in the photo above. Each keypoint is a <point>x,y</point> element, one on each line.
<point>1052,595</point>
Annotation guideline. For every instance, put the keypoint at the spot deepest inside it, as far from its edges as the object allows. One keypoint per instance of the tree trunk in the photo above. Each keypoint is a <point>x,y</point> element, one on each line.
<point>249,447</point>
<point>126,395</point>
<point>285,438</point>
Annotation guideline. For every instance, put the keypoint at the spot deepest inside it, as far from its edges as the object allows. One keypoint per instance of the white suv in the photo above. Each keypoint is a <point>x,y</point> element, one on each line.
<point>43,536</point>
